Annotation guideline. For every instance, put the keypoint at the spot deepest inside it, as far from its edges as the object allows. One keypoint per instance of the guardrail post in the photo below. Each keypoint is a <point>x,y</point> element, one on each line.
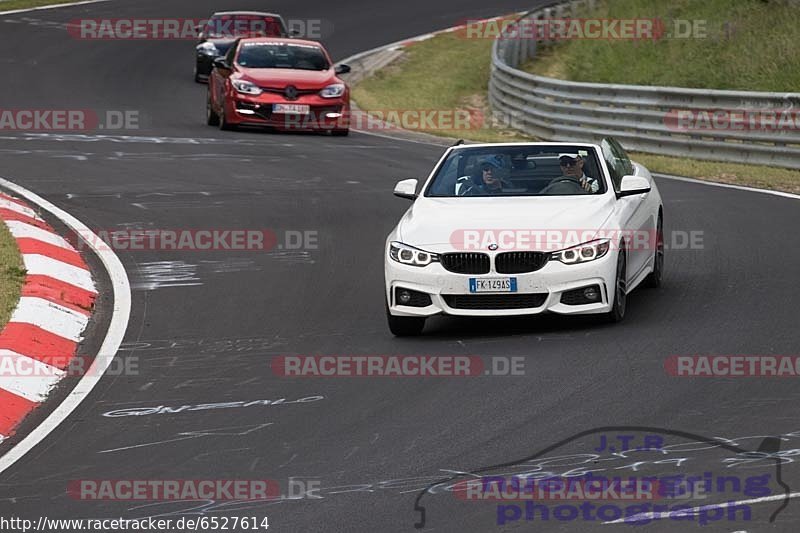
<point>548,16</point>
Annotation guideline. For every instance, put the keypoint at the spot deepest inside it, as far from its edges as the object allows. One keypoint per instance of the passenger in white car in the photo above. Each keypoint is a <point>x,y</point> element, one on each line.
<point>485,182</point>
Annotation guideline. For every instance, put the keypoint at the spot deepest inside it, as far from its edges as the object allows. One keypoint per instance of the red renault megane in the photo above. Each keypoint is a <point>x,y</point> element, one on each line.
<point>286,84</point>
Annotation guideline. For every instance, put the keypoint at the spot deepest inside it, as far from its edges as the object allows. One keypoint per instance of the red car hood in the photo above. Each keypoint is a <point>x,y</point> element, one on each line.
<point>281,77</point>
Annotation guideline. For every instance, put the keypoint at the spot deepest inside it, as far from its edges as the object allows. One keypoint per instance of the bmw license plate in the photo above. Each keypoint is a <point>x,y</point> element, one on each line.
<point>291,109</point>
<point>492,285</point>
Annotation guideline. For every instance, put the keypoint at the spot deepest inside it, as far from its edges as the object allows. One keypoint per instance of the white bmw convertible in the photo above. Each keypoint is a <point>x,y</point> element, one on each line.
<point>522,229</point>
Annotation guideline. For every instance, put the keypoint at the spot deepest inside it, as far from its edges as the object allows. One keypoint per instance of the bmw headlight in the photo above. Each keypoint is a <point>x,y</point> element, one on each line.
<point>408,255</point>
<point>583,253</point>
<point>246,87</point>
<point>332,91</point>
<point>208,49</point>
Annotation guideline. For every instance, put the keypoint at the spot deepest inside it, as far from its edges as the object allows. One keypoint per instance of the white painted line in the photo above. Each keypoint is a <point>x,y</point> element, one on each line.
<point>728,186</point>
<point>27,377</point>
<point>40,8</point>
<point>51,317</point>
<point>47,266</point>
<point>22,230</point>
<point>120,315</point>
<point>14,206</point>
<point>694,510</point>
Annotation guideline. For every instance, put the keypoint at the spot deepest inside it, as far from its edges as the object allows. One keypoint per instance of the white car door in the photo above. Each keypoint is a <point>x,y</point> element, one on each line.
<point>635,212</point>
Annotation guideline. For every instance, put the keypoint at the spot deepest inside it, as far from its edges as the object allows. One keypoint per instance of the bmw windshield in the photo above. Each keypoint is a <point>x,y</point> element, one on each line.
<point>524,170</point>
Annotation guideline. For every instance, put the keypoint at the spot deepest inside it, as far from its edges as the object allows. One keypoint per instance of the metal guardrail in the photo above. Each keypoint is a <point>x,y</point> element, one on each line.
<point>642,117</point>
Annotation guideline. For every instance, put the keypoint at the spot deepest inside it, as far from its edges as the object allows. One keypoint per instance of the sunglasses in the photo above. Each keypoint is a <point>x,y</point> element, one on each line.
<point>569,163</point>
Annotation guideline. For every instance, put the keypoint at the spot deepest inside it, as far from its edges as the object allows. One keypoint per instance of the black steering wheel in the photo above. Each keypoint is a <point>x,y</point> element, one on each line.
<point>571,180</point>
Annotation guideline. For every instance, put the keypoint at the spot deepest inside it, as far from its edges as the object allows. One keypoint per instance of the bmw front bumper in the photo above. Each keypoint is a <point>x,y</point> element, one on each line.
<point>551,282</point>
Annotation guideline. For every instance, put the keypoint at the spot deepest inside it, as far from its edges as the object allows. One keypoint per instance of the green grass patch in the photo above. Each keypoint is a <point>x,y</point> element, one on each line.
<point>12,274</point>
<point>739,45</point>
<point>445,73</point>
<point>10,5</point>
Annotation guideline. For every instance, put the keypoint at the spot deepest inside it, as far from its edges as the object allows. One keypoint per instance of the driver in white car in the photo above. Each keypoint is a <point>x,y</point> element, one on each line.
<point>572,165</point>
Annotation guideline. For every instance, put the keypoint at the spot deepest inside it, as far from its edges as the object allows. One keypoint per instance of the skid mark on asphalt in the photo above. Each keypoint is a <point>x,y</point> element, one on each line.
<point>292,256</point>
<point>223,345</point>
<point>177,205</point>
<point>164,274</point>
<point>231,265</point>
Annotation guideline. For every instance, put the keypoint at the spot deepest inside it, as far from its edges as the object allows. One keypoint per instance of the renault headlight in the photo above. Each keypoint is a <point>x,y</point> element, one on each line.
<point>332,91</point>
<point>246,87</point>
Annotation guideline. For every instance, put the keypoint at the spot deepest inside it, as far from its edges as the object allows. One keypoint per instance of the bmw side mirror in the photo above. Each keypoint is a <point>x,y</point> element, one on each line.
<point>342,69</point>
<point>633,185</point>
<point>406,189</point>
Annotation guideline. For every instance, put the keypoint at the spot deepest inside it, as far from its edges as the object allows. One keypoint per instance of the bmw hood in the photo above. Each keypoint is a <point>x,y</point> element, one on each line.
<point>550,222</point>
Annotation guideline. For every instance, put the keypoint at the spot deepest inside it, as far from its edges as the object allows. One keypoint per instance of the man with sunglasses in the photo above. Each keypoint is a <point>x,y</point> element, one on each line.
<point>572,165</point>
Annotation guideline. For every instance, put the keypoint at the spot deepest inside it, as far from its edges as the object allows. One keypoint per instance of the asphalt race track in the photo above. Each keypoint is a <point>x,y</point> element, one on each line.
<point>205,325</point>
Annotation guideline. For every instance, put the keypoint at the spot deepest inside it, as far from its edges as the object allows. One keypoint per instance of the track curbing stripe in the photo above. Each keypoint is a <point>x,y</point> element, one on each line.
<point>57,319</point>
<point>54,308</point>
<point>120,314</point>
<point>28,377</point>
<point>42,265</point>
<point>21,230</point>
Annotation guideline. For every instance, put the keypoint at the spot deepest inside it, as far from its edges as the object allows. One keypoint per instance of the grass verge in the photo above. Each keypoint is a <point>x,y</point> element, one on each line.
<point>462,66</point>
<point>460,81</point>
<point>12,274</point>
<point>710,44</point>
<point>10,5</point>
